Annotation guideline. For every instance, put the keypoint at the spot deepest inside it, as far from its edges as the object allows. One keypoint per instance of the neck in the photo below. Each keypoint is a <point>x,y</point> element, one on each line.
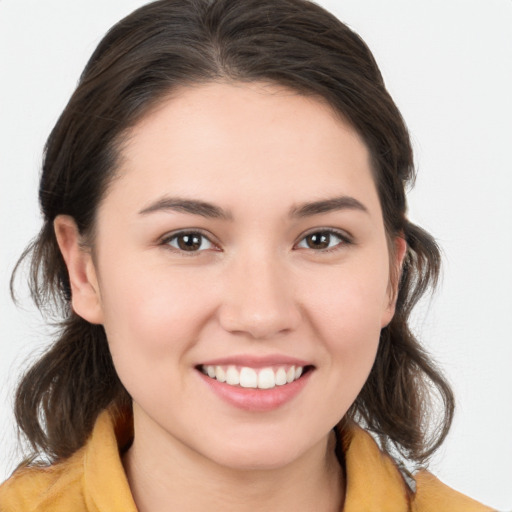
<point>167,477</point>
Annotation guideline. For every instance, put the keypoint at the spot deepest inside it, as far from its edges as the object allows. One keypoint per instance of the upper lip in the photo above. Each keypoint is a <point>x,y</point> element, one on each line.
<point>256,361</point>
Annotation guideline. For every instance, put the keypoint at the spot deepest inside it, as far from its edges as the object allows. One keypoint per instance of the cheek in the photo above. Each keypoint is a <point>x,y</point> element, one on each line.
<point>346,311</point>
<point>352,300</point>
<point>150,315</point>
<point>153,320</point>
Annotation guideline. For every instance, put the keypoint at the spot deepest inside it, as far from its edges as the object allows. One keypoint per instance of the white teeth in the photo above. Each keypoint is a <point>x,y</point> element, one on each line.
<point>248,378</point>
<point>220,374</point>
<point>281,377</point>
<point>232,376</point>
<point>265,378</point>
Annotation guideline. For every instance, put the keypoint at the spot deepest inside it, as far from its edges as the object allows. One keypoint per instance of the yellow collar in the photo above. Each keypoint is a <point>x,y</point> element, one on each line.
<point>373,482</point>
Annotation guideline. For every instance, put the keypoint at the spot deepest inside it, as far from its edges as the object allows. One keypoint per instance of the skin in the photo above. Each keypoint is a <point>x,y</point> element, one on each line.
<point>255,287</point>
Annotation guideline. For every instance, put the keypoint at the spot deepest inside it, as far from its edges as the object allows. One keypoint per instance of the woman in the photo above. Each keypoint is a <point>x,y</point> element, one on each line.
<point>225,233</point>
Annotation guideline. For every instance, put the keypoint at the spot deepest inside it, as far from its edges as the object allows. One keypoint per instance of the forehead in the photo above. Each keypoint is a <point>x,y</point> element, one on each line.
<point>232,141</point>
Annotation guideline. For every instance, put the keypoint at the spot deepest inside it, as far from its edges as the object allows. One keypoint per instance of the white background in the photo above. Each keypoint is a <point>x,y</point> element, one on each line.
<point>448,64</point>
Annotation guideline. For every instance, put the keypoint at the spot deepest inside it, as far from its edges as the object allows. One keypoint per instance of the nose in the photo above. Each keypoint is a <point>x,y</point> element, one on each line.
<point>259,298</point>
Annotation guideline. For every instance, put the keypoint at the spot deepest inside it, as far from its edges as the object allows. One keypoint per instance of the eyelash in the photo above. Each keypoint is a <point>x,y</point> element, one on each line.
<point>166,241</point>
<point>343,237</point>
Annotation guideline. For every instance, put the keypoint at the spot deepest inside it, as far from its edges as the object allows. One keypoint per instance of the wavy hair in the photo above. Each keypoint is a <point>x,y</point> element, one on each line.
<point>157,49</point>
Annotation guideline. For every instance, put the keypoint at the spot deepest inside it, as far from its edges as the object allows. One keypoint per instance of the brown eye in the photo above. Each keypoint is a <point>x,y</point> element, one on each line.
<point>189,242</point>
<point>318,240</point>
<point>323,240</point>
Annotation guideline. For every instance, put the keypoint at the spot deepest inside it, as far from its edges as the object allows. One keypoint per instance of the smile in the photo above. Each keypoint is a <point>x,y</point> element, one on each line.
<point>260,378</point>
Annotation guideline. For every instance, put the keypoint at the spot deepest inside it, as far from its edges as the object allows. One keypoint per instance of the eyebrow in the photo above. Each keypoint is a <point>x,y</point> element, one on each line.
<point>208,210</point>
<point>326,206</point>
<point>190,206</point>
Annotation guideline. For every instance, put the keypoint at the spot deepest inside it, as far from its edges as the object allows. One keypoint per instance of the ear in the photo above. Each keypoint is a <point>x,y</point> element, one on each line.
<point>398,253</point>
<point>85,296</point>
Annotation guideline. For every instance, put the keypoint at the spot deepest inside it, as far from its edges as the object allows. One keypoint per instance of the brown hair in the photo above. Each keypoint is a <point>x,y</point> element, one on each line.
<point>172,43</point>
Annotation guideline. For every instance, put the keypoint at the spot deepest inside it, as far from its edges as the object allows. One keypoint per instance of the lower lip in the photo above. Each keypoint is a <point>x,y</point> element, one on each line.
<point>254,399</point>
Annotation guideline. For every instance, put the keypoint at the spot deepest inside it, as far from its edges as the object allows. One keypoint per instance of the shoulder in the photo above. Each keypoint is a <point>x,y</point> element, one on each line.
<point>434,496</point>
<point>92,479</point>
<point>374,481</point>
<point>56,488</point>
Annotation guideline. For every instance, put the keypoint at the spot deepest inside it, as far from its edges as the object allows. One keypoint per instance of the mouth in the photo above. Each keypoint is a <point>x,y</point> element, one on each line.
<point>268,377</point>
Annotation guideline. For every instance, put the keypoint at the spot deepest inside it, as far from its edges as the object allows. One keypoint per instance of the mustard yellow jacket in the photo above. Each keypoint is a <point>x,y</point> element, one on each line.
<point>93,480</point>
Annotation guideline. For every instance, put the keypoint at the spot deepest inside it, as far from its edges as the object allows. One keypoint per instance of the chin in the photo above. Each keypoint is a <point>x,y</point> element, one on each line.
<point>256,460</point>
<point>258,454</point>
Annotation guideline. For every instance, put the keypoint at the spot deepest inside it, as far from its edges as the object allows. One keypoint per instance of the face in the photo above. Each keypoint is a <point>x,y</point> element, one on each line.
<point>241,245</point>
